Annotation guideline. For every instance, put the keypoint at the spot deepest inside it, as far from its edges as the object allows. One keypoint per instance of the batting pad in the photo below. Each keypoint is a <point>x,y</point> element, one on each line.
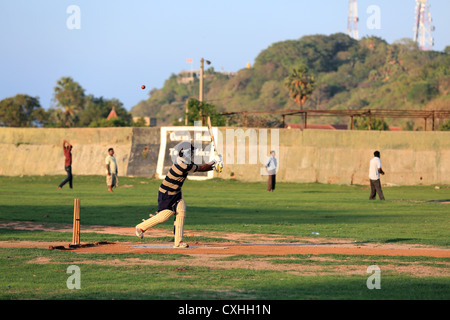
<point>179,221</point>
<point>161,217</point>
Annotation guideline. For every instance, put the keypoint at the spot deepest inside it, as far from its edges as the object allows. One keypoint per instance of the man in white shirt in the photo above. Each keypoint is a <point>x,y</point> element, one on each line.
<point>374,176</point>
<point>112,179</point>
<point>271,166</point>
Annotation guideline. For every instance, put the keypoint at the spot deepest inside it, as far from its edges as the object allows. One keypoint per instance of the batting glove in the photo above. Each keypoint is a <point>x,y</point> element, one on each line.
<point>218,165</point>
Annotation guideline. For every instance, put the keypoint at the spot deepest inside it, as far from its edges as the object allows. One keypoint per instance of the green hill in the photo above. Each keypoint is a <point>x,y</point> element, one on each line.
<point>350,74</point>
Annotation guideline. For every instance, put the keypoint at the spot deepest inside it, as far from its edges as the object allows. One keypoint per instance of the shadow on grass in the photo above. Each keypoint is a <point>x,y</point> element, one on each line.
<point>130,215</point>
<point>402,240</point>
<point>439,201</point>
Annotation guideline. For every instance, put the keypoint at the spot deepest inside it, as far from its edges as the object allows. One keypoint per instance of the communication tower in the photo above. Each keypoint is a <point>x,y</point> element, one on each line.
<point>352,23</point>
<point>423,27</point>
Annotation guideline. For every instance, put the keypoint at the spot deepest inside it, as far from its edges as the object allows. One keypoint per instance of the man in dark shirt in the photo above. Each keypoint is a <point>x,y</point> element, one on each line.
<point>67,147</point>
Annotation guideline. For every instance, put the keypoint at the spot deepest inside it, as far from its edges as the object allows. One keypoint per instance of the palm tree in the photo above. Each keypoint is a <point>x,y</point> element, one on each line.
<point>69,95</point>
<point>300,84</point>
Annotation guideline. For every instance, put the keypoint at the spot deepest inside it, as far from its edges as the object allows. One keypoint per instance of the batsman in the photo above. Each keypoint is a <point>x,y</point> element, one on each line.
<point>170,198</point>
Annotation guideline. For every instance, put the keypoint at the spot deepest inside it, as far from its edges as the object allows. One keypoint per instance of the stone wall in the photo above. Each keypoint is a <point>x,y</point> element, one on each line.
<point>40,152</point>
<point>324,156</point>
<point>342,157</point>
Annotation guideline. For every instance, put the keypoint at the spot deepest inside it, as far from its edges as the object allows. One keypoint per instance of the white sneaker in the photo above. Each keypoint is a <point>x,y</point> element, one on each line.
<point>139,233</point>
<point>181,245</point>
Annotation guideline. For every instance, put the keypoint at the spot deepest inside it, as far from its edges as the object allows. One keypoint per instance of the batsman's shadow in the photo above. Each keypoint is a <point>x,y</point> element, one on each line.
<point>395,240</point>
<point>305,244</point>
<point>439,201</point>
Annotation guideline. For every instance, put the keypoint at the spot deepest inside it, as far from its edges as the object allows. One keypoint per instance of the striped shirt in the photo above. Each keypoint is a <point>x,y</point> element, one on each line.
<point>175,177</point>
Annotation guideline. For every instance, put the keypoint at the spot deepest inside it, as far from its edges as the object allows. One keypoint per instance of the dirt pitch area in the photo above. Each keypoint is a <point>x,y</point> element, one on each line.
<point>211,254</point>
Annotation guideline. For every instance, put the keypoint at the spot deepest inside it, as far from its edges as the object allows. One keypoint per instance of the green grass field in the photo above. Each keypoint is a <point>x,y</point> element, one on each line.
<point>410,215</point>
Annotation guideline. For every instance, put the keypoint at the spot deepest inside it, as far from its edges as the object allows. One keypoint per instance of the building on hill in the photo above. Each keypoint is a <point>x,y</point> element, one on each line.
<point>188,76</point>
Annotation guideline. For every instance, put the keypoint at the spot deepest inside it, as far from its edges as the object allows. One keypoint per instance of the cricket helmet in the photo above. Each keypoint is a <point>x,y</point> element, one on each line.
<point>184,146</point>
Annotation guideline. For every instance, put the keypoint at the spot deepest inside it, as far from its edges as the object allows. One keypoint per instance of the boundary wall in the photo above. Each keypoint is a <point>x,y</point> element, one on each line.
<point>323,156</point>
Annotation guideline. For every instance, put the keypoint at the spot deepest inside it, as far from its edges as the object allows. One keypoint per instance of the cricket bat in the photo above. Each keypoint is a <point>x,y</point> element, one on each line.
<point>212,135</point>
<point>214,142</point>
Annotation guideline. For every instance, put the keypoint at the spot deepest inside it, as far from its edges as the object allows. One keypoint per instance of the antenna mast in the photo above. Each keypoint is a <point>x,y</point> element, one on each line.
<point>352,23</point>
<point>423,27</point>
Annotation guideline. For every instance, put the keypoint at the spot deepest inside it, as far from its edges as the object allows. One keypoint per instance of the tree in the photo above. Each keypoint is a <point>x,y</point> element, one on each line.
<point>97,109</point>
<point>422,92</point>
<point>375,124</point>
<point>21,111</point>
<point>447,50</point>
<point>140,122</point>
<point>114,122</point>
<point>445,126</point>
<point>69,96</point>
<point>198,111</point>
<point>300,84</point>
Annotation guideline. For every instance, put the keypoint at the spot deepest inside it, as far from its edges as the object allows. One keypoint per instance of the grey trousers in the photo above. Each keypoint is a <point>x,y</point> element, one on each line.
<point>375,187</point>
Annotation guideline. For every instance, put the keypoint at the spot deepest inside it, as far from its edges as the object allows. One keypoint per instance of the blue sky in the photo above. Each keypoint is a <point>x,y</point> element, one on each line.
<point>123,44</point>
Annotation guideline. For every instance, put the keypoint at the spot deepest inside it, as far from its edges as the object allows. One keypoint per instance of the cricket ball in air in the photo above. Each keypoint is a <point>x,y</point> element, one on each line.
<point>142,87</point>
